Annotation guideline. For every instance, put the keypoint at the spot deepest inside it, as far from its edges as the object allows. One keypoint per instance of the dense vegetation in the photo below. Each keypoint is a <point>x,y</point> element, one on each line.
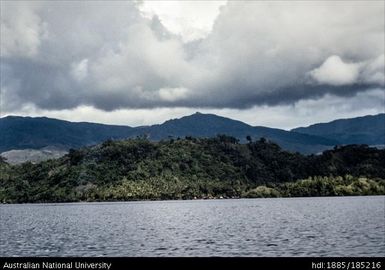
<point>138,169</point>
<point>321,186</point>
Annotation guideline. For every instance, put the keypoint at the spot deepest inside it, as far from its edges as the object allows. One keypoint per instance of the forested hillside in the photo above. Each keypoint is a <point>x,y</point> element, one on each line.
<point>191,168</point>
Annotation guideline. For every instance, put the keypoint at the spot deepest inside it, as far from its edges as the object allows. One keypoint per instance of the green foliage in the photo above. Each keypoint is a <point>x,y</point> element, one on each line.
<point>262,192</point>
<point>138,169</point>
<point>322,186</point>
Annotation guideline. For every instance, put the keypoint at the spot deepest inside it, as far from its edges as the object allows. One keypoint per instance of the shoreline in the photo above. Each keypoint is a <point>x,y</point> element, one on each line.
<point>185,200</point>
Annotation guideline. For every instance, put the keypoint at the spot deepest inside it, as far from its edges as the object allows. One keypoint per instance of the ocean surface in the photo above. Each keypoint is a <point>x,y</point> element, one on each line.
<point>328,226</point>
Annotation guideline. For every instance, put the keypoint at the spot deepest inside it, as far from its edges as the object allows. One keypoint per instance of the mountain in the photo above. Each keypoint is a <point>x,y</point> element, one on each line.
<point>36,133</point>
<point>210,125</point>
<point>18,133</point>
<point>368,129</point>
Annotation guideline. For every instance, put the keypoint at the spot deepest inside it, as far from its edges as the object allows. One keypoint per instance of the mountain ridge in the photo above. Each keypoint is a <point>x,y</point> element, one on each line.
<point>17,132</point>
<point>368,129</point>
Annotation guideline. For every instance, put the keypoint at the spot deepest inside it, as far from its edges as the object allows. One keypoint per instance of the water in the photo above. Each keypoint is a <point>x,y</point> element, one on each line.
<point>330,226</point>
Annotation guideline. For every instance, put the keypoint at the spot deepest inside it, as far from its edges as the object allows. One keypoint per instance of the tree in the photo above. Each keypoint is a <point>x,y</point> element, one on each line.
<point>3,160</point>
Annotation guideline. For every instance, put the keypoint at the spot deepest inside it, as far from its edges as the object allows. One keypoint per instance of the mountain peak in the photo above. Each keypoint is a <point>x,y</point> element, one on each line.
<point>31,132</point>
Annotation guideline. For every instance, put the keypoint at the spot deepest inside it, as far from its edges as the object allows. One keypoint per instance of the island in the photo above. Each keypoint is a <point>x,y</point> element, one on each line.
<point>193,168</point>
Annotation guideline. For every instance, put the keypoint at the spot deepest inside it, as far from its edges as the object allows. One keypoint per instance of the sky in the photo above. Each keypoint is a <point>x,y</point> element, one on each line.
<point>280,64</point>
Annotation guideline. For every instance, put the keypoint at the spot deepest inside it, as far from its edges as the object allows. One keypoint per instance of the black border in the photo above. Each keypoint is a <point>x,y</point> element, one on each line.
<point>349,263</point>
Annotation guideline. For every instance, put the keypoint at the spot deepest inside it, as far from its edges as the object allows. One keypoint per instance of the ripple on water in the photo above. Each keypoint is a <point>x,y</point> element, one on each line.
<point>252,227</point>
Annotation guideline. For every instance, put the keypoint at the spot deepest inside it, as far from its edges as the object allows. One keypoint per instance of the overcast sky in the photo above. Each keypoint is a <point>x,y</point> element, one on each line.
<point>279,64</point>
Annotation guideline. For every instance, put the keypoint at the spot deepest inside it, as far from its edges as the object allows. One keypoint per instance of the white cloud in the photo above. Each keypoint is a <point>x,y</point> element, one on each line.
<point>259,47</point>
<point>191,20</point>
<point>22,30</point>
<point>107,55</point>
<point>173,94</point>
<point>334,71</point>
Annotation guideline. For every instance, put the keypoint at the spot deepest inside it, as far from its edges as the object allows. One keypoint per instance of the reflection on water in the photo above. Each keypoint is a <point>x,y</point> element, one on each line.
<point>332,226</point>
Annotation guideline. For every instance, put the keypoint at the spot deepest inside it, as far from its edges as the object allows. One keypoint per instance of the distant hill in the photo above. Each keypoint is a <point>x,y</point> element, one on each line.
<point>35,133</point>
<point>19,133</point>
<point>210,125</point>
<point>360,130</point>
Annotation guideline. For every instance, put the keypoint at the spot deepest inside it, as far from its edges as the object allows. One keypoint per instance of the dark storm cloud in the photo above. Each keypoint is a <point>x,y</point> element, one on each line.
<point>46,85</point>
<point>105,54</point>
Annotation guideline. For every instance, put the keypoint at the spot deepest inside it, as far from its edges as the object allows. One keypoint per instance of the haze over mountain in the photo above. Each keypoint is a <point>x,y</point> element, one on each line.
<point>33,155</point>
<point>19,133</point>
